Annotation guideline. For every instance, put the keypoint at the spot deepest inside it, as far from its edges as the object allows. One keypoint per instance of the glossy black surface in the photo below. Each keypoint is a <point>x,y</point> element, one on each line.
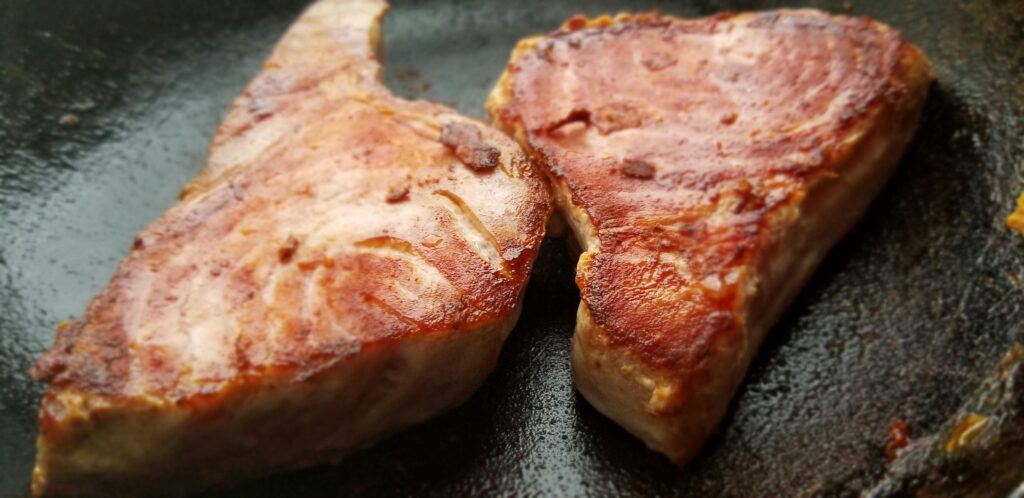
<point>902,321</point>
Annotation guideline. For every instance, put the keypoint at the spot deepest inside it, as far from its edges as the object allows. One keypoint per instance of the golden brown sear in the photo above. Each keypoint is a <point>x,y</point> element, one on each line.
<point>706,167</point>
<point>341,268</point>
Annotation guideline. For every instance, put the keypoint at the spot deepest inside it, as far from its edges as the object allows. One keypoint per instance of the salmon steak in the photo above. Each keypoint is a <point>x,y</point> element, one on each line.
<point>706,167</point>
<point>346,264</point>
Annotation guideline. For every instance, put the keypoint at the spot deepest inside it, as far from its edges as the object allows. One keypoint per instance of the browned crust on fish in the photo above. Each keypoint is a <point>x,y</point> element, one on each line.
<point>706,166</point>
<point>340,269</point>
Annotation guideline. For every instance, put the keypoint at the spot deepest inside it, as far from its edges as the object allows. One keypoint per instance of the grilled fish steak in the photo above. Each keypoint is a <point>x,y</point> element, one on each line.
<point>706,166</point>
<point>346,264</point>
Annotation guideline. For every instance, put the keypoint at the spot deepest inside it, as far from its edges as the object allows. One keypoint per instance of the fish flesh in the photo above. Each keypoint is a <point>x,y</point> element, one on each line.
<point>346,264</point>
<point>706,167</point>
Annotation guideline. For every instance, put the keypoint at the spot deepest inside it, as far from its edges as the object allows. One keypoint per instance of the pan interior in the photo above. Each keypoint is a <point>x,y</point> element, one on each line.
<point>106,109</point>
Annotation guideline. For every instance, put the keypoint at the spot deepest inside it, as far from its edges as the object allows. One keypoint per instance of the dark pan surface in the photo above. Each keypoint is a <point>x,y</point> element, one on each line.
<point>902,322</point>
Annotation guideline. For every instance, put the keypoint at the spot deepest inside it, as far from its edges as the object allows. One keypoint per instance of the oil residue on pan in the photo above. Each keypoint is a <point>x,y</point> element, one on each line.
<point>979,451</point>
<point>106,109</point>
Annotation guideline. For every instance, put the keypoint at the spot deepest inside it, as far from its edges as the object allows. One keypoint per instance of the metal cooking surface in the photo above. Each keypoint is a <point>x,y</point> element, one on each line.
<point>902,322</point>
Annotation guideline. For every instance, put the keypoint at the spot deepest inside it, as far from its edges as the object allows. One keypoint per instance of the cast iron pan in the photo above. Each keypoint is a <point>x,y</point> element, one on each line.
<point>107,106</point>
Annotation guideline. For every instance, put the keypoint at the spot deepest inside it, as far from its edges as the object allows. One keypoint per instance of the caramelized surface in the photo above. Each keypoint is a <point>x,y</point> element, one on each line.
<point>682,142</point>
<point>329,220</point>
